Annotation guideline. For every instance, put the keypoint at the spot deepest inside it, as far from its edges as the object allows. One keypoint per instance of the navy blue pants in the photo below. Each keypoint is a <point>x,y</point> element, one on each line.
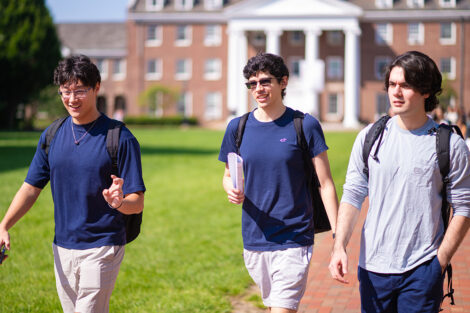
<point>417,290</point>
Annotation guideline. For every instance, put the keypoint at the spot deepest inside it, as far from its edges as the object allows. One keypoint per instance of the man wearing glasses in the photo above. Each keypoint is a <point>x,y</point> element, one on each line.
<point>89,202</point>
<point>277,225</point>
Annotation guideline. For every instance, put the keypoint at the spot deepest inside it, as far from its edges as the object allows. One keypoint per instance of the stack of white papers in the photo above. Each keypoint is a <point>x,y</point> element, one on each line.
<point>235,165</point>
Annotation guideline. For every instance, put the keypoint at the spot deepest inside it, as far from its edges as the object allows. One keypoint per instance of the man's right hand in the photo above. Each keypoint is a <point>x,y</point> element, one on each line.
<point>4,241</point>
<point>235,196</point>
<point>339,265</point>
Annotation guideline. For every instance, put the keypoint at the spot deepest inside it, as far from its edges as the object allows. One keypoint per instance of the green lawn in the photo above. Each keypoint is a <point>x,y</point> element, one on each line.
<point>188,257</point>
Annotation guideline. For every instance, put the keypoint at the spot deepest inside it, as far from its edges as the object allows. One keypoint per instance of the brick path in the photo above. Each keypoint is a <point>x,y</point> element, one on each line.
<point>325,295</point>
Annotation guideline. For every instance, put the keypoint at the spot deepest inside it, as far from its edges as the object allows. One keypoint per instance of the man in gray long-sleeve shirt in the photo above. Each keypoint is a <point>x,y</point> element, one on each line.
<point>403,248</point>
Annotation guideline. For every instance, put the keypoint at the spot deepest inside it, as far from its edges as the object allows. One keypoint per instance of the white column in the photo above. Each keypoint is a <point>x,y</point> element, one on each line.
<point>352,78</point>
<point>237,101</point>
<point>273,41</point>
<point>310,74</point>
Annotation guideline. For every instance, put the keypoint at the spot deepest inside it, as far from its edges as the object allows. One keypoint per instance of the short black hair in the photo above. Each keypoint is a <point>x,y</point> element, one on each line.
<point>421,73</point>
<point>268,63</point>
<point>77,68</point>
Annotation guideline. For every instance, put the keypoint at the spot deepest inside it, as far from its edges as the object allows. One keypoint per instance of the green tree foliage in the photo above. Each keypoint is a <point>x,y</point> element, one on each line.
<point>29,52</point>
<point>155,93</point>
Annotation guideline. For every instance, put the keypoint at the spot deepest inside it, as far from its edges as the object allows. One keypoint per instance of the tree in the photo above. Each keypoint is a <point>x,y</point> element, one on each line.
<point>158,97</point>
<point>29,52</point>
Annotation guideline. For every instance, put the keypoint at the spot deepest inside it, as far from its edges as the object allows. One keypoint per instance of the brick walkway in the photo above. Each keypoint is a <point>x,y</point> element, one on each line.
<point>325,295</point>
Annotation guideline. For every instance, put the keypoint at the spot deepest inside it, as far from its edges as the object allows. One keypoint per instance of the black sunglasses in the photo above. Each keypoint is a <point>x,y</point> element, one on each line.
<point>265,82</point>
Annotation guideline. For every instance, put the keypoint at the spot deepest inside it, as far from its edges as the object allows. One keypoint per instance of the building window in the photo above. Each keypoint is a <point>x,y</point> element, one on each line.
<point>333,104</point>
<point>382,105</point>
<point>119,69</point>
<point>384,34</point>
<point>384,4</point>
<point>294,67</point>
<point>213,110</point>
<point>184,5</point>
<point>102,66</point>
<point>415,3</point>
<point>184,105</point>
<point>212,69</point>
<point>380,66</point>
<point>154,69</point>
<point>334,67</point>
<point>448,36</point>
<point>258,39</point>
<point>415,34</point>
<point>183,69</point>
<point>213,4</point>
<point>156,107</point>
<point>154,5</point>
<point>154,35</point>
<point>213,35</point>
<point>296,38</point>
<point>183,35</point>
<point>448,67</point>
<point>447,3</point>
<point>335,38</point>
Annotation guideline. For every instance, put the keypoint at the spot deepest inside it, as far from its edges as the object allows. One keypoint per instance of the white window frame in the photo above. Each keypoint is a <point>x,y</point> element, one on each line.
<point>154,5</point>
<point>157,41</point>
<point>213,4</point>
<point>184,6</point>
<point>378,60</point>
<point>102,65</point>
<point>213,106</point>
<point>293,60</point>
<point>213,38</point>
<point>420,35</point>
<point>387,37</point>
<point>453,37</point>
<point>121,75</point>
<point>159,69</point>
<point>447,3</point>
<point>188,33</point>
<point>415,3</point>
<point>453,68</point>
<point>186,99</point>
<point>337,72</point>
<point>384,4</point>
<point>187,65</point>
<point>335,38</point>
<point>213,69</point>
<point>296,38</point>
<point>334,116</point>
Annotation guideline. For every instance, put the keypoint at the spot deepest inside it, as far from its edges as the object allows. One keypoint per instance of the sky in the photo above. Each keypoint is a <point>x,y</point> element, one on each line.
<point>70,11</point>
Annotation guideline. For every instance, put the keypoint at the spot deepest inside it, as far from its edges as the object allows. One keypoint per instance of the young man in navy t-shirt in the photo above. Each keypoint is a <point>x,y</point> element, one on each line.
<point>277,226</point>
<point>89,202</point>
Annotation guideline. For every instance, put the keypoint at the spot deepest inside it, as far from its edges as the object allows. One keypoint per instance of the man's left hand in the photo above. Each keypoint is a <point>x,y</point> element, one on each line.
<point>114,195</point>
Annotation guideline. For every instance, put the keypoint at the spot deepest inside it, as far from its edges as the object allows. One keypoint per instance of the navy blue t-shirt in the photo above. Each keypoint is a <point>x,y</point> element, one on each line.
<point>277,211</point>
<point>78,175</point>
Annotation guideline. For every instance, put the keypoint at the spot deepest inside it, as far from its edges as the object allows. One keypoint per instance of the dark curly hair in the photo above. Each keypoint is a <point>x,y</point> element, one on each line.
<point>77,68</point>
<point>421,73</point>
<point>268,63</point>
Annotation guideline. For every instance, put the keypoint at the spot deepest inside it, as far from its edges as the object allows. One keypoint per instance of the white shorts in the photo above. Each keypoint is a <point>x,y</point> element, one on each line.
<point>85,278</point>
<point>281,275</point>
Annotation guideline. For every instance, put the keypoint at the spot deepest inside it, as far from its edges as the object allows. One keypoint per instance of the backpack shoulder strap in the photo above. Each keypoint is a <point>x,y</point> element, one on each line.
<point>374,132</point>
<point>298,121</point>
<point>50,133</point>
<point>241,130</point>
<point>112,143</point>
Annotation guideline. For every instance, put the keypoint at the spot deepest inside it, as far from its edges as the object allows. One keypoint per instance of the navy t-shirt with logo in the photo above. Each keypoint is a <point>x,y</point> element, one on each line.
<point>78,175</point>
<point>277,211</point>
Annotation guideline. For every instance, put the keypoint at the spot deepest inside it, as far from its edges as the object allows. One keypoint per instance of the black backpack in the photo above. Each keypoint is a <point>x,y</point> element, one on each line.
<point>443,132</point>
<point>320,218</point>
<point>132,221</point>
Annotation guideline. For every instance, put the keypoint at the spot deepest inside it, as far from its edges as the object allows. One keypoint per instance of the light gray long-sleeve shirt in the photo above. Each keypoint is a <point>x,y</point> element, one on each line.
<point>403,227</point>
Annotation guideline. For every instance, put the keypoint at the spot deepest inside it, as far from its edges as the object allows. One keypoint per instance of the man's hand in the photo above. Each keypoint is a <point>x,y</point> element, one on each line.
<point>114,195</point>
<point>235,196</point>
<point>339,265</point>
<point>4,243</point>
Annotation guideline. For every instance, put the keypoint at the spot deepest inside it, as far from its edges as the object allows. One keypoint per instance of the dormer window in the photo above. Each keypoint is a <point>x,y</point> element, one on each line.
<point>184,5</point>
<point>384,4</point>
<point>154,5</point>
<point>415,3</point>
<point>447,3</point>
<point>213,4</point>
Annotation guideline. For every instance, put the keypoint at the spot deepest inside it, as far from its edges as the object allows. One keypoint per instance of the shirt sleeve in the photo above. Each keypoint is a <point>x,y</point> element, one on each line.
<point>129,162</point>
<point>228,143</point>
<point>356,186</point>
<point>39,171</point>
<point>458,189</point>
<point>314,135</point>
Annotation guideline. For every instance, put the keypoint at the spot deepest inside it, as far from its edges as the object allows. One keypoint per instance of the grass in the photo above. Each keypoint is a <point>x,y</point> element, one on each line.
<point>188,257</point>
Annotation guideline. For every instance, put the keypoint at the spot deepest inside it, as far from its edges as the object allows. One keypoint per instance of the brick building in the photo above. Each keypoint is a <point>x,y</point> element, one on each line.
<point>336,51</point>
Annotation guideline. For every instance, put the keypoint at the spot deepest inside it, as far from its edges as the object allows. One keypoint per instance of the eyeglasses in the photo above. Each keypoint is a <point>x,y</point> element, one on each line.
<point>265,82</point>
<point>79,93</point>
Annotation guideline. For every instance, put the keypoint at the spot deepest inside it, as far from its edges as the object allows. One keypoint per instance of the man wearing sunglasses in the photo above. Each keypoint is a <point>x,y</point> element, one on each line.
<point>89,202</point>
<point>277,226</point>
